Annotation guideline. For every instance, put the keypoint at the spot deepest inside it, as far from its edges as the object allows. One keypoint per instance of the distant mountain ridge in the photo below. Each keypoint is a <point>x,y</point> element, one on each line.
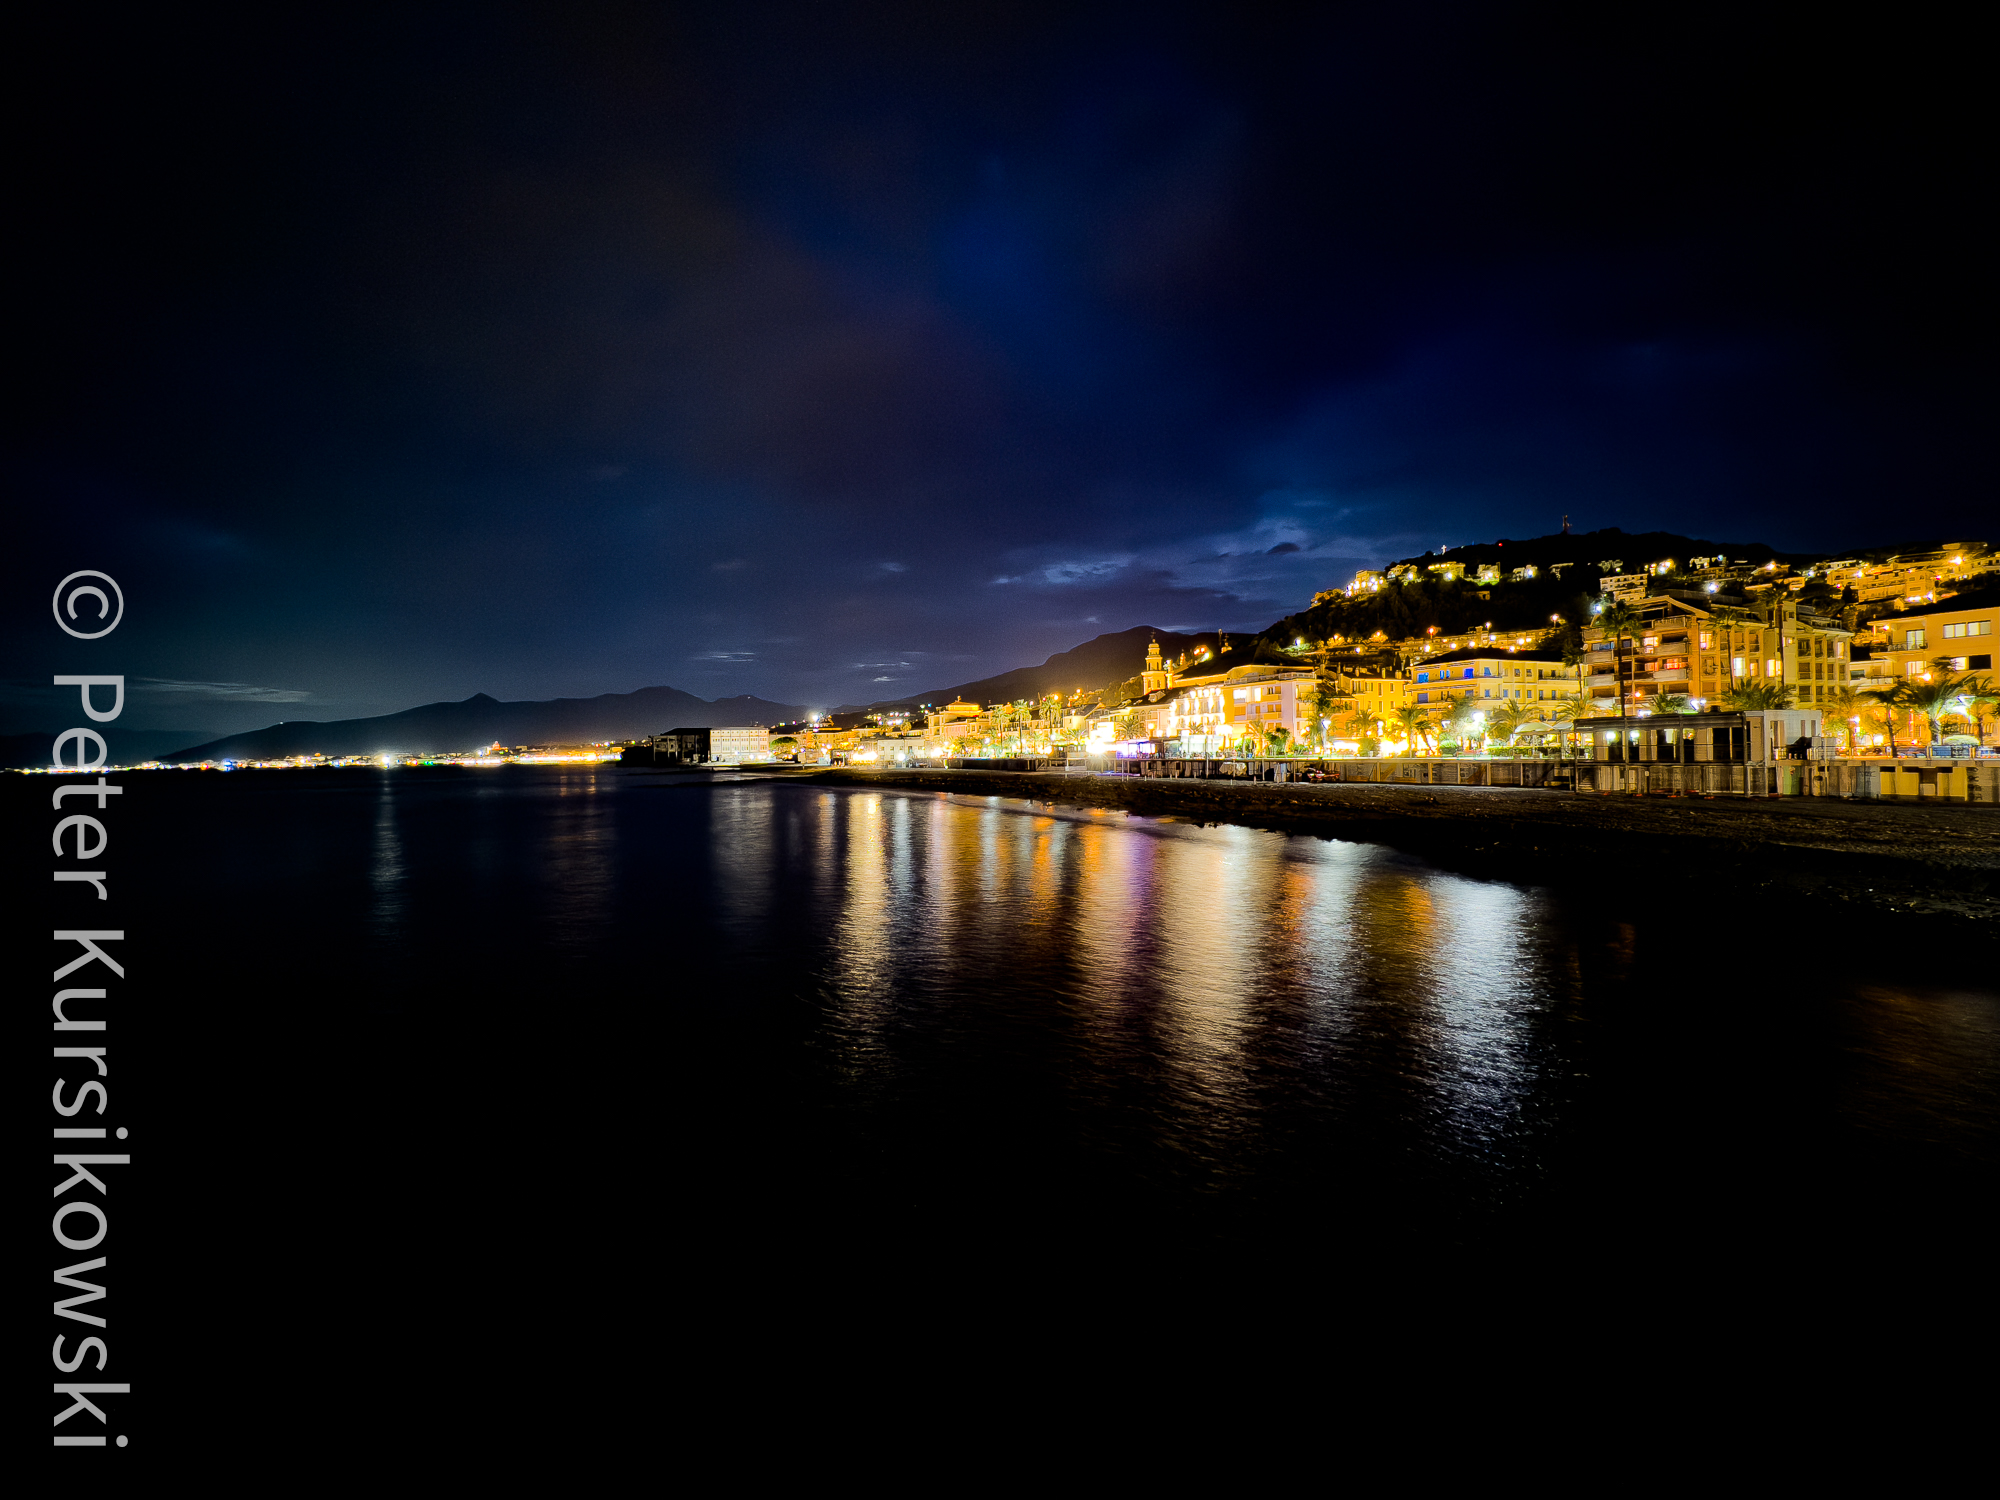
<point>437,728</point>
<point>1106,659</point>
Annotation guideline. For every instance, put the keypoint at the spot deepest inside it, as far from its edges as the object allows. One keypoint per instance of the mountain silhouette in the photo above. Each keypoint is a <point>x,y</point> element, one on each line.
<point>438,728</point>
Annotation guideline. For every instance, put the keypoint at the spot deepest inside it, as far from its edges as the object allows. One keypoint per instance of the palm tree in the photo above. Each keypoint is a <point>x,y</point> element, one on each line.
<point>1883,701</point>
<point>1753,696</point>
<point>1846,705</point>
<point>1415,723</point>
<point>1673,703</point>
<point>1508,720</point>
<point>1568,709</point>
<point>1465,720</point>
<point>1973,692</point>
<point>1620,622</point>
<point>1936,696</point>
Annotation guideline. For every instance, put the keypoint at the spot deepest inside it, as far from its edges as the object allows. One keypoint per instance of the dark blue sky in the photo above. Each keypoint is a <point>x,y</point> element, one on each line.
<point>831,352</point>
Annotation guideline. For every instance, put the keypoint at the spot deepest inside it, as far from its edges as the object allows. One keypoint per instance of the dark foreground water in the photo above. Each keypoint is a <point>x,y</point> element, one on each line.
<point>532,1057</point>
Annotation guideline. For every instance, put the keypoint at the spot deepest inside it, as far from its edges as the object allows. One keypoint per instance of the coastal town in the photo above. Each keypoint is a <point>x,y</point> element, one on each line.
<point>1868,676</point>
<point>1865,676</point>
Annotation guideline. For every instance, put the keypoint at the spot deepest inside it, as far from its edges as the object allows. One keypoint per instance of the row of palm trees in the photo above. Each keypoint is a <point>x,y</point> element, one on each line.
<point>1935,695</point>
<point>1936,700</point>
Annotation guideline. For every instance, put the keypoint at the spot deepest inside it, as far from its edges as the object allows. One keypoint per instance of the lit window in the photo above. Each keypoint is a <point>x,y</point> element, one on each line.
<point>1913,640</point>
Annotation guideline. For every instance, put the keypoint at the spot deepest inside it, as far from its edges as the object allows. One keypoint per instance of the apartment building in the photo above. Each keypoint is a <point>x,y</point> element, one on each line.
<point>1700,652</point>
<point>1913,577</point>
<point>1210,716</point>
<point>1961,629</point>
<point>1523,674</point>
<point>1374,695</point>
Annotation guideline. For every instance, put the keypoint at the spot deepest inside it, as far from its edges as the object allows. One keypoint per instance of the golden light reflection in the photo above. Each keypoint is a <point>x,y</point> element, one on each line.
<point>1169,945</point>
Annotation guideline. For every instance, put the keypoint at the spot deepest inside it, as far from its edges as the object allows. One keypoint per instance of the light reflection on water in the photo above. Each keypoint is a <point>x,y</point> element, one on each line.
<point>882,997</point>
<point>1224,963</point>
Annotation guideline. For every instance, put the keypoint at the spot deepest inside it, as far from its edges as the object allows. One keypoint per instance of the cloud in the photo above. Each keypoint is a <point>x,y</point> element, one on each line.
<point>889,567</point>
<point>1283,547</point>
<point>725,656</point>
<point>1084,572</point>
<point>237,692</point>
<point>885,679</point>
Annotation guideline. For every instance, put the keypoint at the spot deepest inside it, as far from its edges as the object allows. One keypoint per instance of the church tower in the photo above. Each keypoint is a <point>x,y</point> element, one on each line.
<point>1156,677</point>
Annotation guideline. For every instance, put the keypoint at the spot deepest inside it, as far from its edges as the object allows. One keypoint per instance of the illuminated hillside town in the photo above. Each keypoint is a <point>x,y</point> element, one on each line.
<point>1705,674</point>
<point>1851,676</point>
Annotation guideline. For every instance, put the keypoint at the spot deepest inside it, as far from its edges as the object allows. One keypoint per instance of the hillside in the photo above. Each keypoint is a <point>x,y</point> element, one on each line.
<point>1106,659</point>
<point>480,720</point>
<point>1409,609</point>
<point>1634,549</point>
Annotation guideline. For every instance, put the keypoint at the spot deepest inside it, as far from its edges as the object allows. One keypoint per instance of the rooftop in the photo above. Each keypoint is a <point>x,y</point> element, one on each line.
<point>1495,652</point>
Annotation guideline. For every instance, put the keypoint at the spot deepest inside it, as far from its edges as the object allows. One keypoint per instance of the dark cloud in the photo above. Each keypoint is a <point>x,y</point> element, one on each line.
<point>402,355</point>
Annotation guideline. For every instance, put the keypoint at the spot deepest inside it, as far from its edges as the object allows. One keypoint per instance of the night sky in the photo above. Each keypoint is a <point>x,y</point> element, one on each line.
<point>832,352</point>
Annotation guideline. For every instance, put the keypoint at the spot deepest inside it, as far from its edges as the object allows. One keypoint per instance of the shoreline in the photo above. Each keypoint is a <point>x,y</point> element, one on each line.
<point>1844,858</point>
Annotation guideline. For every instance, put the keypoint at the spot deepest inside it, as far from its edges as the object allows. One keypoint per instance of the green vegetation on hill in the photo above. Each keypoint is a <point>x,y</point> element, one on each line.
<point>1401,610</point>
<point>1408,609</point>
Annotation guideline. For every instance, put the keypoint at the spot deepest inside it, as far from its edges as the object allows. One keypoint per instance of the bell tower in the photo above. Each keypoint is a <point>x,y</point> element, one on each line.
<point>1155,677</point>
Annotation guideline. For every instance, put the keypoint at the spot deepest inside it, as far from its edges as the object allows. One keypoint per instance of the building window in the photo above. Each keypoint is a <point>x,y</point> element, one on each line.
<point>1971,627</point>
<point>1913,640</point>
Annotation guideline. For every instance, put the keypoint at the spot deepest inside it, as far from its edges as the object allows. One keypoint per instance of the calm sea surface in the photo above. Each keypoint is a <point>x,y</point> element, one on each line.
<point>811,1007</point>
<point>517,1074</point>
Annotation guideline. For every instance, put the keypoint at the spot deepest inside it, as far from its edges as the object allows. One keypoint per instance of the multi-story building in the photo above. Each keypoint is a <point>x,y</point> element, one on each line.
<point>1486,674</point>
<point>700,746</point>
<point>1629,587</point>
<point>1700,652</point>
<point>1208,708</point>
<point>1414,653</point>
<point>1960,629</point>
<point>1911,577</point>
<point>1375,696</point>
